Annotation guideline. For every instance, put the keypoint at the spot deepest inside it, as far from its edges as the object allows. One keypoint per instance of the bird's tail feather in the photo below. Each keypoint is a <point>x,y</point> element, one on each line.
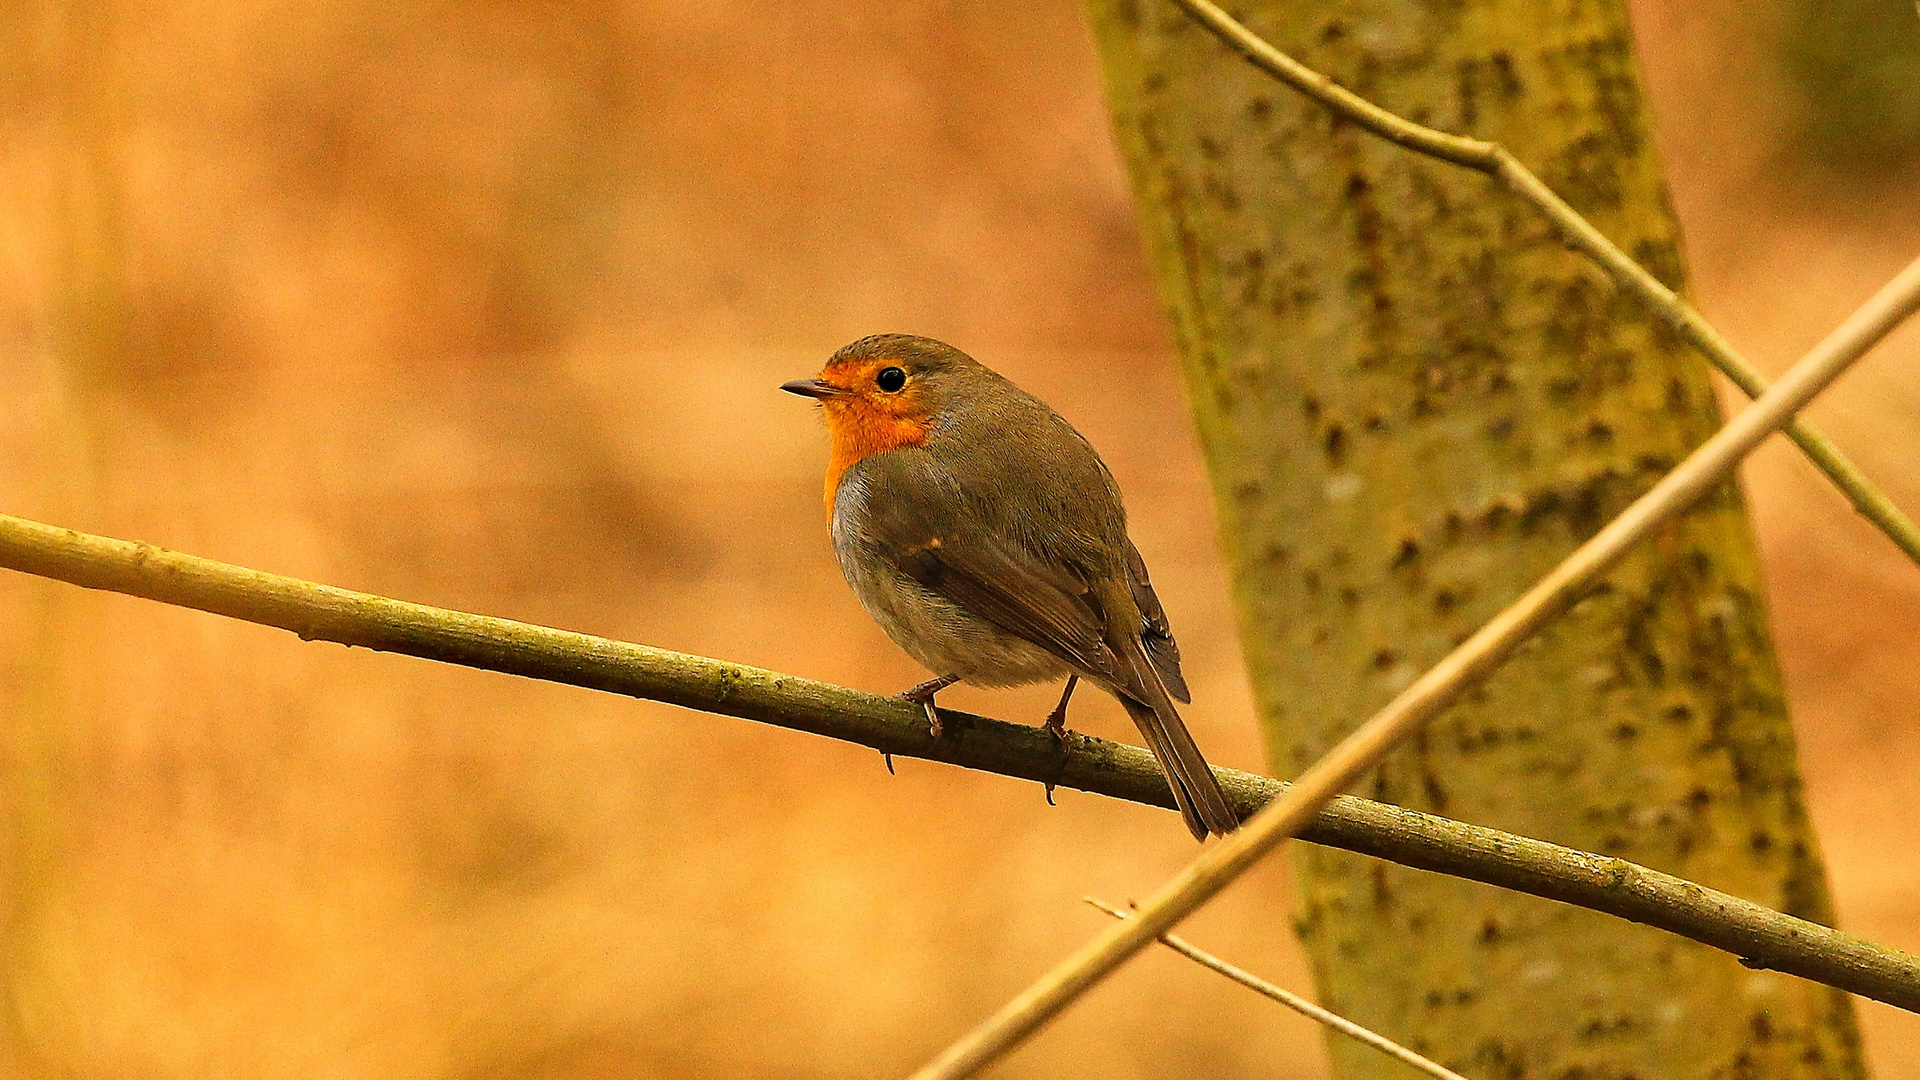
<point>1202,804</point>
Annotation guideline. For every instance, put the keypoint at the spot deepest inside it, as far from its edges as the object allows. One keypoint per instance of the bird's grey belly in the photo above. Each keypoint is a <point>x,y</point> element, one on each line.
<point>945,637</point>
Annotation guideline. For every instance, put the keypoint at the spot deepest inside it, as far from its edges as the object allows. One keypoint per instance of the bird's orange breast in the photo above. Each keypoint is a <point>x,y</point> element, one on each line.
<point>863,419</point>
<point>861,427</point>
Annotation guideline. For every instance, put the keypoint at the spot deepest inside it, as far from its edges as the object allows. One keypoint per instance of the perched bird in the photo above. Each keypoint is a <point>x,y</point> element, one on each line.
<point>987,538</point>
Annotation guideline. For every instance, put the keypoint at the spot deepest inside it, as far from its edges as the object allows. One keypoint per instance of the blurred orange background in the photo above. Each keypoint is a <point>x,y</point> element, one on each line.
<point>483,305</point>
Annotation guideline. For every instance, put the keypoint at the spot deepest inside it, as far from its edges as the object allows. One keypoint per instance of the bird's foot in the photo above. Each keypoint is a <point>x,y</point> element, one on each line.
<point>922,695</point>
<point>1056,725</point>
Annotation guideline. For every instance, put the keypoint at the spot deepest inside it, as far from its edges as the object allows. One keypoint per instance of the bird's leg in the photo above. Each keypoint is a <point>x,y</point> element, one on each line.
<point>1057,719</point>
<point>922,695</point>
<point>1057,722</point>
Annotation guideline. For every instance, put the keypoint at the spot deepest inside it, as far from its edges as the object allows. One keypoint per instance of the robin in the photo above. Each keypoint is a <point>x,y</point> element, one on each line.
<point>987,538</point>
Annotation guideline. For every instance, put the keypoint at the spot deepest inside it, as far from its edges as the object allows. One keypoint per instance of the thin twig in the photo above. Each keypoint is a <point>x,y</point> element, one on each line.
<point>1494,160</point>
<point>1760,936</point>
<point>1461,669</point>
<point>1292,1000</point>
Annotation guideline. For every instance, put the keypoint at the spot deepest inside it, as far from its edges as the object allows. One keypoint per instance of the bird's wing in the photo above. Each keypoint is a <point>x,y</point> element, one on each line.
<point>993,577</point>
<point>1155,632</point>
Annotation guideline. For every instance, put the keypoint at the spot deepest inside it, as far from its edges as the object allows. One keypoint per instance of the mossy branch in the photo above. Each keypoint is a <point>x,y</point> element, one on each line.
<point>1760,936</point>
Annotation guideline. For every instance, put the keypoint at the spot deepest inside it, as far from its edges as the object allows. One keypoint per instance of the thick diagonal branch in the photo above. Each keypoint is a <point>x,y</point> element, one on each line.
<point>1473,660</point>
<point>1760,936</point>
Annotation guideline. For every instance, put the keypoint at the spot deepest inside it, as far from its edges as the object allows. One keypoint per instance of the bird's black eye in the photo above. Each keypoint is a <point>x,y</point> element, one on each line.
<point>890,379</point>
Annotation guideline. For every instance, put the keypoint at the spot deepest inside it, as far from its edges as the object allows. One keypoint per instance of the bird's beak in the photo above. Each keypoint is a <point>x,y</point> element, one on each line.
<point>813,388</point>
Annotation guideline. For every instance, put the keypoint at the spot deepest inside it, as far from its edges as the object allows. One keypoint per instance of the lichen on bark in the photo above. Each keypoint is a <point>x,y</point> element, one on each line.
<point>1414,402</point>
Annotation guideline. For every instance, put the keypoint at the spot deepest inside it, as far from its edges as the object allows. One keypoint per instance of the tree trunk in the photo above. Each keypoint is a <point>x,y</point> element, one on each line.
<point>1413,403</point>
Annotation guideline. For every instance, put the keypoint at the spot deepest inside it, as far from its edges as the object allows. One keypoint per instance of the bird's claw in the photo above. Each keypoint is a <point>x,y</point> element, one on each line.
<point>922,696</point>
<point>1057,727</point>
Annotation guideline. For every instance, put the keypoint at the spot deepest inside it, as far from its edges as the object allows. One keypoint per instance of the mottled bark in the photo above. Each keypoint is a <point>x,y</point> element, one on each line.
<point>1413,403</point>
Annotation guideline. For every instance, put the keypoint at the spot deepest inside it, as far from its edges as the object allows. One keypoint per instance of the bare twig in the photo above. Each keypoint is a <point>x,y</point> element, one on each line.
<point>1471,662</point>
<point>1293,1001</point>
<point>1760,936</point>
<point>1495,161</point>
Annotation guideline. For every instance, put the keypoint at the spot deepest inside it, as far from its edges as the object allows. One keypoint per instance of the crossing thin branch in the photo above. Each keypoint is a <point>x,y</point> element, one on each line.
<point>1223,863</point>
<point>1326,1018</point>
<point>1760,936</point>
<point>1494,160</point>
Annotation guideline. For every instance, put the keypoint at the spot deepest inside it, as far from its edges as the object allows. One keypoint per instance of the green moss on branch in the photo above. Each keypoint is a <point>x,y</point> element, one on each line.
<point>1760,936</point>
